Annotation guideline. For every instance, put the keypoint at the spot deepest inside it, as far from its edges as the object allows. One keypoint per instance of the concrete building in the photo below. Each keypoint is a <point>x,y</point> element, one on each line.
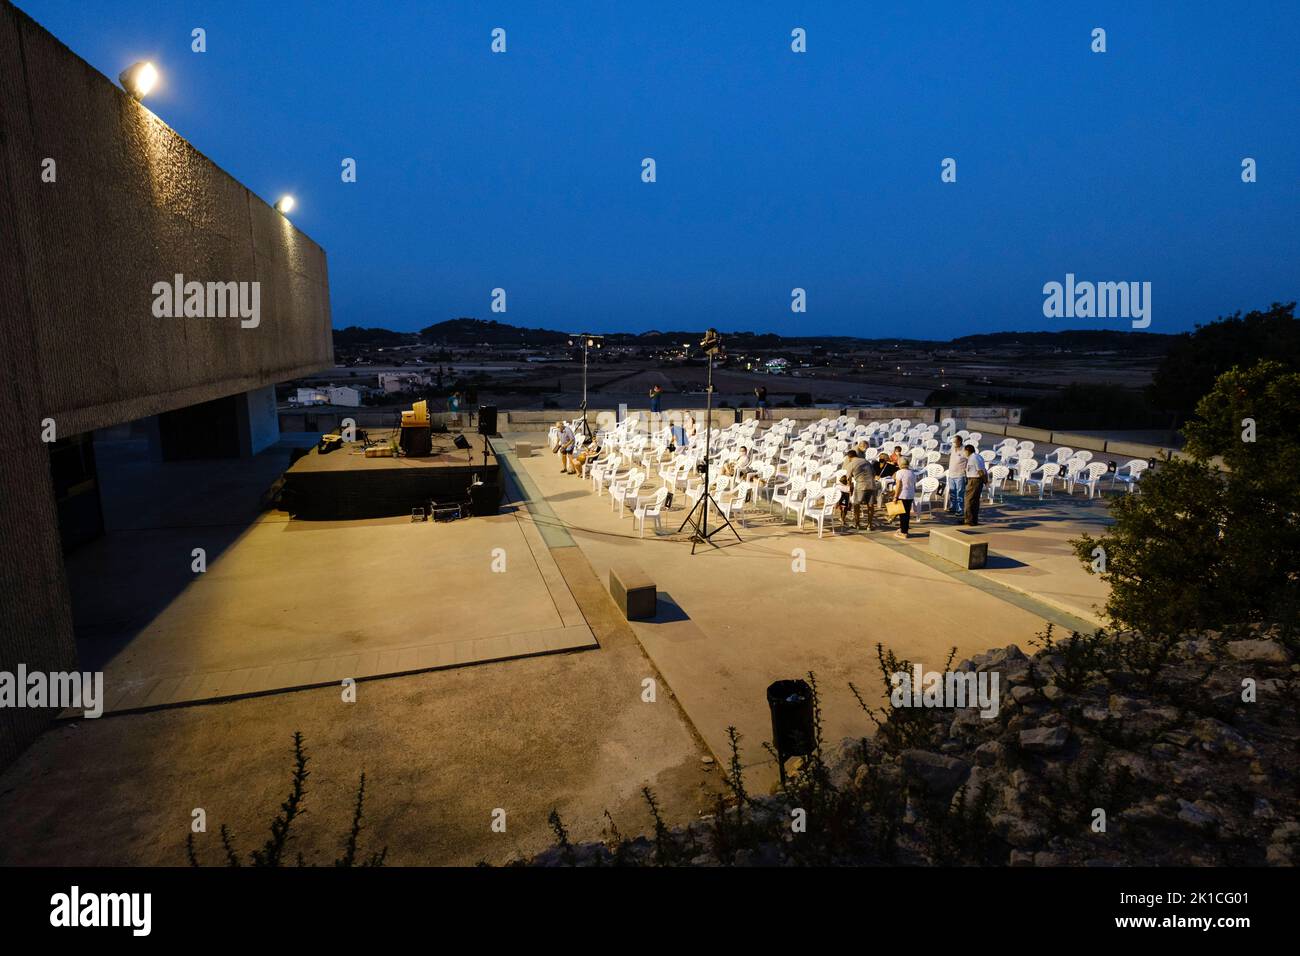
<point>102,205</point>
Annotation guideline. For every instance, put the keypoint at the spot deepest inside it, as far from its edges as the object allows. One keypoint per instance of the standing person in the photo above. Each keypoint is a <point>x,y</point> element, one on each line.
<point>957,479</point>
<point>760,397</point>
<point>976,475</point>
<point>567,442</point>
<point>844,485</point>
<point>656,394</point>
<point>862,479</point>
<point>904,492</point>
<point>885,469</point>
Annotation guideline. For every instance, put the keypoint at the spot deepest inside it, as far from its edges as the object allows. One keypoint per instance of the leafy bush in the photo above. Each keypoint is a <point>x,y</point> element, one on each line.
<point>1212,540</point>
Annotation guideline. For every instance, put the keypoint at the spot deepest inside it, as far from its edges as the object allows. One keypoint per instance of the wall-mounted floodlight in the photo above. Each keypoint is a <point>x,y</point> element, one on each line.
<point>139,78</point>
<point>285,205</point>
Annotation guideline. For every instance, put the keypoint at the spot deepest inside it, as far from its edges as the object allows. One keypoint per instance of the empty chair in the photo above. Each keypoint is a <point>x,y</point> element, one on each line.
<point>606,475</point>
<point>1130,473</point>
<point>627,492</point>
<point>997,481</point>
<point>925,493</point>
<point>1024,468</point>
<point>1084,454</point>
<point>788,497</point>
<point>650,508</point>
<point>1045,480</point>
<point>735,504</point>
<point>1075,468</point>
<point>1096,471</point>
<point>1062,455</point>
<point>820,507</point>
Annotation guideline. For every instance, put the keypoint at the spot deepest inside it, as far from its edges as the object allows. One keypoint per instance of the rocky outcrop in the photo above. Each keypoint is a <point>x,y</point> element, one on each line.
<point>1094,758</point>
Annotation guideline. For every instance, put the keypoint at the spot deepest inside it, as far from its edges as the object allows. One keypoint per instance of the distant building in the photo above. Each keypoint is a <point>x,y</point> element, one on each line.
<point>403,381</point>
<point>344,395</point>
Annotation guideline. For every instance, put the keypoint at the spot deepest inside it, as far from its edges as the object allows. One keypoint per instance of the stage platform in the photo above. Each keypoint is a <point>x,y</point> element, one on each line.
<point>343,483</point>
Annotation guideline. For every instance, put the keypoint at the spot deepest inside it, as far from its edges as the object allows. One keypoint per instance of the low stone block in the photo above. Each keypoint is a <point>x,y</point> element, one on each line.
<point>523,449</point>
<point>633,592</point>
<point>960,547</point>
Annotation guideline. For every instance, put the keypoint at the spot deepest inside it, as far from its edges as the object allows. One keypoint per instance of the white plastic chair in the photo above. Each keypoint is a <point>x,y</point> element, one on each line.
<point>829,498</point>
<point>735,505</point>
<point>651,508</point>
<point>1096,471</point>
<point>925,493</point>
<point>1130,480</point>
<point>997,482</point>
<point>627,492</point>
<point>1046,480</point>
<point>1024,468</point>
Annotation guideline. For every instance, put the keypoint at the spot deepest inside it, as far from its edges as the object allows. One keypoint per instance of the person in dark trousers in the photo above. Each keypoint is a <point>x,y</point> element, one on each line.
<point>976,476</point>
<point>862,481</point>
<point>760,397</point>
<point>904,493</point>
<point>656,395</point>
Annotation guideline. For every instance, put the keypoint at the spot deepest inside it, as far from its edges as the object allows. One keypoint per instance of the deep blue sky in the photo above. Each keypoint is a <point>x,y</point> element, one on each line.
<point>775,170</point>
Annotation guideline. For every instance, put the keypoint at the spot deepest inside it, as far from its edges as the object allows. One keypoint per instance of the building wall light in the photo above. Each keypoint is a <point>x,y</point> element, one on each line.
<point>285,205</point>
<point>139,79</point>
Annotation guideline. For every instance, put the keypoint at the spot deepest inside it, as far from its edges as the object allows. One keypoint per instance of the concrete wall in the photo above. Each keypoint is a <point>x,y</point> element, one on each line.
<point>132,204</point>
<point>1120,451</point>
<point>259,420</point>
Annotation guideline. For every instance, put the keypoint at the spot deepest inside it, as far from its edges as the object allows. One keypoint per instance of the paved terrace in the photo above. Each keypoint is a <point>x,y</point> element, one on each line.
<point>210,674</point>
<point>734,619</point>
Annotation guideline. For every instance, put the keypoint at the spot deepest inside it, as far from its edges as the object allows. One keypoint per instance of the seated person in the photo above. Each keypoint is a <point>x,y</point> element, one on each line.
<point>739,467</point>
<point>590,450</point>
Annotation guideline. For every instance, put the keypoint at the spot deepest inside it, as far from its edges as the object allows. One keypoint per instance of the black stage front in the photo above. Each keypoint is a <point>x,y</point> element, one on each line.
<point>345,484</point>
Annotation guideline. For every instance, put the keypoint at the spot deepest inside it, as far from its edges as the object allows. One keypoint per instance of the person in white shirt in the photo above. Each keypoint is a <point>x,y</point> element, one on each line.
<point>567,442</point>
<point>904,492</point>
<point>976,475</point>
<point>957,478</point>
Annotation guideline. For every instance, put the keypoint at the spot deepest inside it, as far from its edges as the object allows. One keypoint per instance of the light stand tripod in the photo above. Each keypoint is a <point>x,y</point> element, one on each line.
<point>588,342</point>
<point>700,523</point>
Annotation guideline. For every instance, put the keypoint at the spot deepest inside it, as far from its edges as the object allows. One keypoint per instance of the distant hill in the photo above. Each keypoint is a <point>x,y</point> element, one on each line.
<point>468,332</point>
<point>355,335</point>
<point>1073,339</point>
<point>474,331</point>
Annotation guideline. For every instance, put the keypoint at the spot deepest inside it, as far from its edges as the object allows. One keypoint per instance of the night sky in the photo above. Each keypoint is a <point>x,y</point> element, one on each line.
<point>775,170</point>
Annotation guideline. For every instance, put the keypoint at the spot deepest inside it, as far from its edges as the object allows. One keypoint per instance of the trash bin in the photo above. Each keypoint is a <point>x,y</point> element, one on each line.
<point>791,704</point>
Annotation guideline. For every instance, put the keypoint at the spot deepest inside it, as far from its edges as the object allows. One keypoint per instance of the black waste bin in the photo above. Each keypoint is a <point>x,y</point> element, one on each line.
<point>791,704</point>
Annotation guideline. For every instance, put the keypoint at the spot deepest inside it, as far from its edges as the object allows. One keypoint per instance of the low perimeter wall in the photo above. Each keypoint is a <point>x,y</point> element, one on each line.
<point>991,431</point>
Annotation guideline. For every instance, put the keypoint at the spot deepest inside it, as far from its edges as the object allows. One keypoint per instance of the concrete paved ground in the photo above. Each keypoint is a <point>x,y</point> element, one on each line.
<point>441,749</point>
<point>286,604</point>
<point>733,620</point>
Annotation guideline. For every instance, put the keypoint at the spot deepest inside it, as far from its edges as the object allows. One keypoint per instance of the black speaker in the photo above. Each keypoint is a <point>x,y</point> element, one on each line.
<point>484,499</point>
<point>487,419</point>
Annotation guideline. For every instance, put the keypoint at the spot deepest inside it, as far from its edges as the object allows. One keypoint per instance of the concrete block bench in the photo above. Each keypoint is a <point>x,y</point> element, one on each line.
<point>633,591</point>
<point>523,449</point>
<point>960,547</point>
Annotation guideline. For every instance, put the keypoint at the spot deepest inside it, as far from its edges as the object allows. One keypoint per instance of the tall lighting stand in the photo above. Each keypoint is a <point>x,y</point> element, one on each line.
<point>712,345</point>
